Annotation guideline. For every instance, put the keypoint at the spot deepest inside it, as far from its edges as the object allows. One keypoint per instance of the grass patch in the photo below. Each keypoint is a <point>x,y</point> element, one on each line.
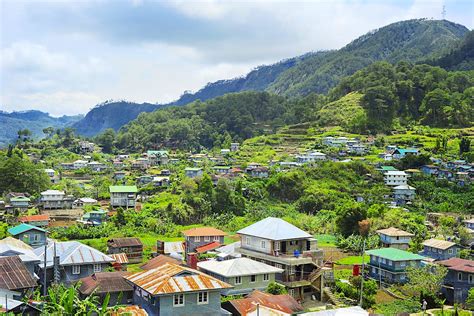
<point>326,240</point>
<point>353,260</point>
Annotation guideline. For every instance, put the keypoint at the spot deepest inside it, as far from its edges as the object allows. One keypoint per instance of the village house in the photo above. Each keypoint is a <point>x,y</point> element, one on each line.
<point>141,164</point>
<point>55,199</point>
<point>161,181</point>
<point>400,153</point>
<point>159,261</point>
<point>40,220</point>
<point>198,237</point>
<point>117,164</point>
<point>75,261</point>
<point>119,175</point>
<point>389,264</point>
<point>440,249</point>
<point>174,249</point>
<point>430,169</point>
<point>386,156</point>
<point>10,246</point>
<point>459,280</point>
<point>123,195</point>
<point>357,149</point>
<point>395,178</point>
<point>86,147</point>
<point>144,180</point>
<point>79,164</point>
<point>257,172</point>
<point>97,166</point>
<point>15,277</point>
<point>225,152</point>
<point>29,234</point>
<point>193,172</point>
<point>94,217</point>
<point>310,157</point>
<point>132,246</point>
<point>335,141</point>
<point>51,174</point>
<point>67,166</point>
<point>403,194</point>
<point>222,169</point>
<point>103,283</point>
<point>261,303</point>
<point>234,146</point>
<point>395,238</point>
<point>198,294</point>
<point>278,243</point>
<point>80,202</point>
<point>244,274</point>
<point>20,203</point>
<point>158,157</point>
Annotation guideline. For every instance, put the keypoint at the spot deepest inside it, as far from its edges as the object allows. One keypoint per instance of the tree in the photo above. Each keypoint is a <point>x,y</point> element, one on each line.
<point>350,214</point>
<point>470,299</point>
<point>464,145</point>
<point>48,131</point>
<point>433,106</point>
<point>276,289</point>
<point>106,140</point>
<point>426,280</point>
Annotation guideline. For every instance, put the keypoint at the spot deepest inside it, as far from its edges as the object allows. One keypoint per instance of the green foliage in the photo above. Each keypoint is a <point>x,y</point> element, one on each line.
<point>276,289</point>
<point>354,243</point>
<point>470,299</point>
<point>425,280</point>
<point>398,306</point>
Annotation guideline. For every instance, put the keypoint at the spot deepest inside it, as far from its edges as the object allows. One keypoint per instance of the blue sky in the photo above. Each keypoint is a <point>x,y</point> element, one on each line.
<point>63,57</point>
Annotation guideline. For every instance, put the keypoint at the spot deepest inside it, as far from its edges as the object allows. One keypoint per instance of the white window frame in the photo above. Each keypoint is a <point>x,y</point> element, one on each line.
<point>207,238</point>
<point>450,251</point>
<point>266,277</point>
<point>76,269</point>
<point>238,280</point>
<point>203,298</point>
<point>180,299</point>
<point>459,276</point>
<point>277,245</point>
<point>97,267</point>
<point>253,276</point>
<point>291,292</point>
<point>263,244</point>
<point>247,241</point>
<point>216,238</point>
<point>197,238</point>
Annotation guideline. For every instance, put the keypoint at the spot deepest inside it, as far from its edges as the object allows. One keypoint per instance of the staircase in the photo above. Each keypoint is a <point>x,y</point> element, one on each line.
<point>331,297</point>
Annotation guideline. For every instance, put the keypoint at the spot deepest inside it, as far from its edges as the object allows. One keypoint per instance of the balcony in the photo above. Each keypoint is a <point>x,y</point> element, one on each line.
<point>306,257</point>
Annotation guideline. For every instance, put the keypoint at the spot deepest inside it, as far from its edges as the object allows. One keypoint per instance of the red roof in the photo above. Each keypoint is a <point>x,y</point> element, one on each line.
<point>208,247</point>
<point>458,264</point>
<point>284,303</point>
<point>158,262</point>
<point>34,218</point>
<point>204,231</point>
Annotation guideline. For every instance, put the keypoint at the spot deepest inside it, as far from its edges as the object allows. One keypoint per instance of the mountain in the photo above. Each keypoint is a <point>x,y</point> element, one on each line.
<point>411,40</point>
<point>111,115</point>
<point>461,57</point>
<point>33,120</point>
<point>318,72</point>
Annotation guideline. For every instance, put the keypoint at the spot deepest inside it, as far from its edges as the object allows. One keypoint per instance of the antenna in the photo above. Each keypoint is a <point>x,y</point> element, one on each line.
<point>443,12</point>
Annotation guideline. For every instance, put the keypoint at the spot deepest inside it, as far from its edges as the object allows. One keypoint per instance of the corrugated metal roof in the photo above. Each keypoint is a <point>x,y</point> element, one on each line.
<point>14,275</point>
<point>283,303</point>
<point>392,231</point>
<point>438,244</point>
<point>105,282</point>
<point>125,242</point>
<point>203,231</point>
<point>24,228</point>
<point>123,189</point>
<point>394,254</point>
<point>173,247</point>
<point>72,253</point>
<point>158,262</point>
<point>34,218</point>
<point>208,247</point>
<point>133,310</point>
<point>458,264</point>
<point>14,247</point>
<point>119,257</point>
<point>171,278</point>
<point>237,267</point>
<point>274,229</point>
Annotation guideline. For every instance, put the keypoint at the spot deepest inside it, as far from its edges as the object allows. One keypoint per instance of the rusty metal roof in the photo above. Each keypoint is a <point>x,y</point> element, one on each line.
<point>438,244</point>
<point>173,247</point>
<point>124,242</point>
<point>283,303</point>
<point>171,278</point>
<point>394,232</point>
<point>132,310</point>
<point>14,275</point>
<point>458,264</point>
<point>158,262</point>
<point>34,218</point>
<point>208,247</point>
<point>104,282</point>
<point>119,257</point>
<point>203,231</point>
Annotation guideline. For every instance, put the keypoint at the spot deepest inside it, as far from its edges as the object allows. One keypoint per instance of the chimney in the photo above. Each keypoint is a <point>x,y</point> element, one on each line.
<point>192,260</point>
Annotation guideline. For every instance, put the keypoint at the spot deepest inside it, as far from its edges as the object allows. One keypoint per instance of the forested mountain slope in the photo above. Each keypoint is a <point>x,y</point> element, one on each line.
<point>35,121</point>
<point>461,57</point>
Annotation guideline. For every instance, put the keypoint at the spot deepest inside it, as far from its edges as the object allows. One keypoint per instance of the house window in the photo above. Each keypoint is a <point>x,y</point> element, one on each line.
<point>266,277</point>
<point>216,238</point>
<point>76,269</point>
<point>238,280</point>
<point>197,238</point>
<point>471,278</point>
<point>279,266</point>
<point>450,251</point>
<point>263,244</point>
<point>97,267</point>
<point>291,292</point>
<point>253,278</point>
<point>203,298</point>
<point>277,245</point>
<point>178,300</point>
<point>207,238</point>
<point>459,276</point>
<point>247,241</point>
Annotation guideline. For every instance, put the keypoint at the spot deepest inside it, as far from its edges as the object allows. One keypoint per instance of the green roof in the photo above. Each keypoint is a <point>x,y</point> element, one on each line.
<point>123,189</point>
<point>192,169</point>
<point>24,228</point>
<point>221,167</point>
<point>19,199</point>
<point>388,168</point>
<point>394,254</point>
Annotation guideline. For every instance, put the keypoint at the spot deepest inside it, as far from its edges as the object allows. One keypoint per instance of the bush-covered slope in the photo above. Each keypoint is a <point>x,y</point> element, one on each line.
<point>460,57</point>
<point>411,40</point>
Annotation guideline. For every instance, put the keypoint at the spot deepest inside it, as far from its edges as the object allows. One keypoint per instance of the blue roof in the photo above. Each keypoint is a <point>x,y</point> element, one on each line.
<point>24,228</point>
<point>407,150</point>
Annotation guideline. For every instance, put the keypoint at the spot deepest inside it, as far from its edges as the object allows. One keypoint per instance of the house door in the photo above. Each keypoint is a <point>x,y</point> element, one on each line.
<point>283,247</point>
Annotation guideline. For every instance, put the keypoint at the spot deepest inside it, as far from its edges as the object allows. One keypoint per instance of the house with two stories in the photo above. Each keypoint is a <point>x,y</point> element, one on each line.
<point>174,290</point>
<point>94,217</point>
<point>459,280</point>
<point>193,172</point>
<point>244,274</point>
<point>97,166</point>
<point>280,244</point>
<point>310,157</point>
<point>158,157</point>
<point>440,249</point>
<point>395,238</point>
<point>123,196</point>
<point>198,237</point>
<point>69,261</point>
<point>141,164</point>
<point>55,199</point>
<point>79,164</point>
<point>395,178</point>
<point>400,153</point>
<point>131,246</point>
<point>257,172</point>
<point>29,234</point>
<point>39,220</point>
<point>389,264</point>
<point>403,194</point>
<point>20,203</point>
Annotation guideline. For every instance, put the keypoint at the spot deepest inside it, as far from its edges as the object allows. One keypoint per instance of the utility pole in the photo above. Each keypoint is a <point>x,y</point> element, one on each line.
<point>44,268</point>
<point>443,12</point>
<point>364,227</point>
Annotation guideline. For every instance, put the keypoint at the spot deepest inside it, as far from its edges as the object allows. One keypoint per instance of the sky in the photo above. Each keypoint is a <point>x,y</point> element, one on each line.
<point>65,56</point>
